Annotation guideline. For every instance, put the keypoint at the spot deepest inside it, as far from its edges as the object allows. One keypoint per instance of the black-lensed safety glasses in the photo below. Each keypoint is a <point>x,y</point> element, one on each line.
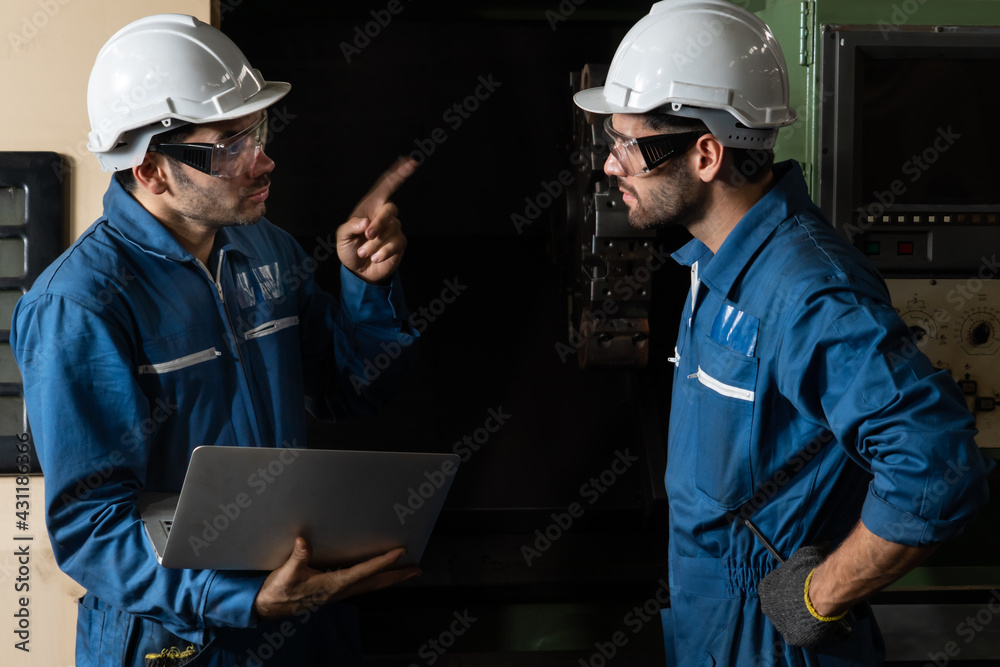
<point>640,155</point>
<point>227,158</point>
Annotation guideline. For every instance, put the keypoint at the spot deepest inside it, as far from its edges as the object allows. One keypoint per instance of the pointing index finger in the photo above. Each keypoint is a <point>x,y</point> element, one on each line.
<point>387,183</point>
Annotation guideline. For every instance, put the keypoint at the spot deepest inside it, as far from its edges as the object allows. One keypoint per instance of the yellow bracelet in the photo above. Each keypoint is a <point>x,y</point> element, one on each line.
<point>812,609</point>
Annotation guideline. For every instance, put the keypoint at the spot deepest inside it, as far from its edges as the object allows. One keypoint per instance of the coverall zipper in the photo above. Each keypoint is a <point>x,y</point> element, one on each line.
<point>271,327</point>
<point>217,281</point>
<point>721,387</point>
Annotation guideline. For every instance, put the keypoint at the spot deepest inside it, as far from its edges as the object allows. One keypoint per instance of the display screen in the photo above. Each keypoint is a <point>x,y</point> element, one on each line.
<point>928,133</point>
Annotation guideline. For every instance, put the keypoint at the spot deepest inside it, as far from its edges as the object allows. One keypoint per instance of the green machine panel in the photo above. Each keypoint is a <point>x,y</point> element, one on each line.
<point>800,26</point>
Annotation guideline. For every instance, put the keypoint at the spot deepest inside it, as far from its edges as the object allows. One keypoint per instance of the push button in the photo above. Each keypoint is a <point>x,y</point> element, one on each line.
<point>985,403</point>
<point>968,387</point>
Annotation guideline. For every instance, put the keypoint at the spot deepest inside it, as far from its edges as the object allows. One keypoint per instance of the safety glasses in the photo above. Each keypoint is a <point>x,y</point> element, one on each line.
<point>226,158</point>
<point>640,155</point>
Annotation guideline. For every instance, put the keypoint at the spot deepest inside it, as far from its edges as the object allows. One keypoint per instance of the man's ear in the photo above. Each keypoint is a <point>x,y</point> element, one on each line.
<point>709,155</point>
<point>152,173</point>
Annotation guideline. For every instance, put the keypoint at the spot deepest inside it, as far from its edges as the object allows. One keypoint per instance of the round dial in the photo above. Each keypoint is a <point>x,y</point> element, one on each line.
<point>981,332</point>
<point>923,326</point>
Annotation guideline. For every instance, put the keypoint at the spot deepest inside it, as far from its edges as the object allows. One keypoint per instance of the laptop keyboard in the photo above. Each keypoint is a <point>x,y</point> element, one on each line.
<point>166,523</point>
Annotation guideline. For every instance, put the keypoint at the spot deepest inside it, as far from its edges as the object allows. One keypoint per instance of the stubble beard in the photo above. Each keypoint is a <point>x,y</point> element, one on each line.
<point>203,206</point>
<point>675,202</point>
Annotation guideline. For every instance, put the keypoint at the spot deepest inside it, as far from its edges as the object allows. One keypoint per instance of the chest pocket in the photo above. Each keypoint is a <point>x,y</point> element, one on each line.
<point>727,380</point>
<point>180,355</point>
<point>176,374</point>
<point>272,327</point>
<point>180,363</point>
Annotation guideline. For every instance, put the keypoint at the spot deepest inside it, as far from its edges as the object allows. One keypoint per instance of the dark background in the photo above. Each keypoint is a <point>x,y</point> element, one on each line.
<point>495,346</point>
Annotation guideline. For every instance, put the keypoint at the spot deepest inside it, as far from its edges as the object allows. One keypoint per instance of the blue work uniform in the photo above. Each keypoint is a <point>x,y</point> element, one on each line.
<point>801,401</point>
<point>133,353</point>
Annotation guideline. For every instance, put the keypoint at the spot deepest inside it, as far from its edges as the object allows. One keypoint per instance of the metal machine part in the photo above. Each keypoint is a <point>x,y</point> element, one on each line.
<point>910,184</point>
<point>612,262</point>
<point>956,323</point>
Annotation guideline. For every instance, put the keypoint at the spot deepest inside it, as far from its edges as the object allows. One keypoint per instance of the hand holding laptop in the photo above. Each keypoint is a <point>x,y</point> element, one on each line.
<point>295,586</point>
<point>242,508</point>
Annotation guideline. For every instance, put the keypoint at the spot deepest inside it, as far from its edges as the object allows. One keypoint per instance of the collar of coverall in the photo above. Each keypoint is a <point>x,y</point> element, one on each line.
<point>719,272</point>
<point>137,225</point>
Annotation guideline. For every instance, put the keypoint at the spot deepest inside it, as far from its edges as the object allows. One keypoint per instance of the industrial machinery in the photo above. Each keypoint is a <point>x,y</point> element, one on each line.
<point>906,173</point>
<point>912,184</point>
<point>956,323</point>
<point>610,259</point>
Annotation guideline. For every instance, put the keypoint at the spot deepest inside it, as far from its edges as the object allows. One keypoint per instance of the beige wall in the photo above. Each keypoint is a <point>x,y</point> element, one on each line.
<point>47,48</point>
<point>35,597</point>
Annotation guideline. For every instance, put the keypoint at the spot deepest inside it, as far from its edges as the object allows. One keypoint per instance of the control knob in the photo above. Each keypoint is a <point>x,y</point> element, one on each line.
<point>981,334</point>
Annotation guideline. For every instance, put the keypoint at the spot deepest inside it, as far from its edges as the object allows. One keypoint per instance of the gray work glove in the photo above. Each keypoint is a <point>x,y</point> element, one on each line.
<point>782,599</point>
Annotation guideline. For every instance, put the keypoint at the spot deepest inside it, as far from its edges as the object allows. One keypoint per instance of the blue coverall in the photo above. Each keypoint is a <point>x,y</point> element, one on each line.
<point>800,400</point>
<point>133,353</point>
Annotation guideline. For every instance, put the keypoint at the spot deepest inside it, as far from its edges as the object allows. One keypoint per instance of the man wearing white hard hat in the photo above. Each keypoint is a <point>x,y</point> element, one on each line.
<point>182,318</point>
<point>809,443</point>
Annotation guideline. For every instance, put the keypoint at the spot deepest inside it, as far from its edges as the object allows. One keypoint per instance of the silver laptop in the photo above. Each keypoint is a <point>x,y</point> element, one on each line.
<point>241,508</point>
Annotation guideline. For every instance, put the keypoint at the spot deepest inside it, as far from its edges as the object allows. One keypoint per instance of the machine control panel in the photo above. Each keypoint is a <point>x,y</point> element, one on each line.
<point>956,323</point>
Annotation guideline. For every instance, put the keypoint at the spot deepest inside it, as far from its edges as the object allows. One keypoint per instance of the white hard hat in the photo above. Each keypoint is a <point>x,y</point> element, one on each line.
<point>163,71</point>
<point>706,59</point>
